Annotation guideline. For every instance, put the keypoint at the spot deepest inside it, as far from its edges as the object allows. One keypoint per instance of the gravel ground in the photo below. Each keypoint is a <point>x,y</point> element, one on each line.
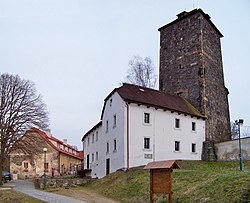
<point>27,187</point>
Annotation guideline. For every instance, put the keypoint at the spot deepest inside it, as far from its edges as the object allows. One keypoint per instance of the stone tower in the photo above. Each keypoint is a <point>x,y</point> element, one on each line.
<point>191,66</point>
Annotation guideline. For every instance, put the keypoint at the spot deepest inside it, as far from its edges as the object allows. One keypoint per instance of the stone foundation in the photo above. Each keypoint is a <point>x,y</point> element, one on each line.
<point>208,151</point>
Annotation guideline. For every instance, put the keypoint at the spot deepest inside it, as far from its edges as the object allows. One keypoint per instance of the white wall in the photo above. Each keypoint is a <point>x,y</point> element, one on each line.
<point>161,131</point>
<point>163,134</point>
<point>116,107</point>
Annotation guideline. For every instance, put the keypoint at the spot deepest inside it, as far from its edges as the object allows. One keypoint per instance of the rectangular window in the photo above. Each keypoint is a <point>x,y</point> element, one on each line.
<point>88,141</point>
<point>96,136</point>
<point>146,118</point>
<point>193,126</point>
<point>93,157</point>
<point>114,121</point>
<point>193,147</point>
<point>26,165</point>
<point>107,126</point>
<point>177,123</point>
<point>96,156</point>
<point>114,144</point>
<point>177,146</point>
<point>93,138</point>
<point>179,94</point>
<point>107,151</point>
<point>146,143</point>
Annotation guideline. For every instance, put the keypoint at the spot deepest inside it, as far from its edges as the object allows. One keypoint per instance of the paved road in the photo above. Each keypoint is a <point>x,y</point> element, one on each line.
<point>27,187</point>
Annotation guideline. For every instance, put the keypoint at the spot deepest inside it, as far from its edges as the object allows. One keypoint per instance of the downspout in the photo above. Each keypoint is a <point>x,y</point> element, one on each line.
<point>127,135</point>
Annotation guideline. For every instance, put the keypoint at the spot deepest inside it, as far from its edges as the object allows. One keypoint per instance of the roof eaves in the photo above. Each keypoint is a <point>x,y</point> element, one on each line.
<point>195,114</point>
<point>92,129</point>
<point>46,138</point>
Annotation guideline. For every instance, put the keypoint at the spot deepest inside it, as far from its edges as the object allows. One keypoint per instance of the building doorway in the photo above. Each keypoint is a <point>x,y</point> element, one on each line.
<point>107,166</point>
<point>88,161</point>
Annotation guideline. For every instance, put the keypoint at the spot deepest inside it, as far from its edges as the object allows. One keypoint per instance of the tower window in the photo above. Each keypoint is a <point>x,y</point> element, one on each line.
<point>179,94</point>
<point>180,66</point>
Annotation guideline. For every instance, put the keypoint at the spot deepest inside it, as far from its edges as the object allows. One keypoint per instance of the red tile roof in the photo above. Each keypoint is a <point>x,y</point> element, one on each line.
<point>78,155</point>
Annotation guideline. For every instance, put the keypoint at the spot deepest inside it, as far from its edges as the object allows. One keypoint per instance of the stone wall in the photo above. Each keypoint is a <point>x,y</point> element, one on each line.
<point>229,151</point>
<point>59,182</point>
<point>191,66</point>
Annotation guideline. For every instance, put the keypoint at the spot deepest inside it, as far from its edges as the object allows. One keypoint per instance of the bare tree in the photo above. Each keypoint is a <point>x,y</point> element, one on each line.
<point>142,72</point>
<point>20,109</point>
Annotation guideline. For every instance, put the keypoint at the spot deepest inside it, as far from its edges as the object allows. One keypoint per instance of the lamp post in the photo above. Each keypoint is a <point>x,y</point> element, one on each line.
<point>239,123</point>
<point>44,174</point>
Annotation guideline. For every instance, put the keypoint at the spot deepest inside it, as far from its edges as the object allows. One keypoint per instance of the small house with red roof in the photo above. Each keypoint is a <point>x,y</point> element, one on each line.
<point>139,125</point>
<point>60,156</point>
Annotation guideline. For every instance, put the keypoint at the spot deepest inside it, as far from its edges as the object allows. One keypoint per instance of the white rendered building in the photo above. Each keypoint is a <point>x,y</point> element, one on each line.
<point>140,125</point>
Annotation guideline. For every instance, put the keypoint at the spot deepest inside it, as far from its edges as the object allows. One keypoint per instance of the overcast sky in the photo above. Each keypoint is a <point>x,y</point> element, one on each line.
<point>77,51</point>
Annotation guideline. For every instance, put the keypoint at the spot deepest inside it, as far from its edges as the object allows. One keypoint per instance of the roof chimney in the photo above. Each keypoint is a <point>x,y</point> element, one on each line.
<point>65,141</point>
<point>182,14</point>
<point>48,133</point>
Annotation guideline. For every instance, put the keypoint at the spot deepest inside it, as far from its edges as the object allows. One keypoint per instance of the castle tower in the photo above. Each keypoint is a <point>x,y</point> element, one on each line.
<point>191,66</point>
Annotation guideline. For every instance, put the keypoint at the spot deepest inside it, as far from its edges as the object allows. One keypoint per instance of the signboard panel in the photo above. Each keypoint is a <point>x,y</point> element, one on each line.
<point>161,181</point>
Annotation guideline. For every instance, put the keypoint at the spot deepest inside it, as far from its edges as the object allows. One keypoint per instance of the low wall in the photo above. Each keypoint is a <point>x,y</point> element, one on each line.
<point>229,151</point>
<point>59,182</point>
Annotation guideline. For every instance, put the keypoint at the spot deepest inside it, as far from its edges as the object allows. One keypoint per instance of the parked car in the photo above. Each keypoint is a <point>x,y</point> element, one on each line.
<point>6,175</point>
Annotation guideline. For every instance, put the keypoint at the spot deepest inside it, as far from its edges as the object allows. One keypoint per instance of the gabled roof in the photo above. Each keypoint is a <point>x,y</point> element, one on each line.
<point>153,98</point>
<point>162,165</point>
<point>185,14</point>
<point>78,155</point>
<point>92,129</point>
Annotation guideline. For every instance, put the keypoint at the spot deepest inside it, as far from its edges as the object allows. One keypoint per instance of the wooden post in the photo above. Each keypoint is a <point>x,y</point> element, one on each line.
<point>151,187</point>
<point>170,187</point>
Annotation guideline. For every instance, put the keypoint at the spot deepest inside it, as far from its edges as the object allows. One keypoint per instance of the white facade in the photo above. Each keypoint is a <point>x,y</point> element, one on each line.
<point>153,134</point>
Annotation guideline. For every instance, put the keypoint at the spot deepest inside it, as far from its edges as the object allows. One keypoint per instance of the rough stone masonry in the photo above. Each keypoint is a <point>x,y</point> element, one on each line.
<point>191,66</point>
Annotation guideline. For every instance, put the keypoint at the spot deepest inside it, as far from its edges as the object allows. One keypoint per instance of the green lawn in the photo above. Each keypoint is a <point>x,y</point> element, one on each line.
<point>195,181</point>
<point>11,196</point>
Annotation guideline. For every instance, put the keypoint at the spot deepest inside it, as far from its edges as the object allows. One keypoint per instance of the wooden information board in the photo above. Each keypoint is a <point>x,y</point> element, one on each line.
<point>161,178</point>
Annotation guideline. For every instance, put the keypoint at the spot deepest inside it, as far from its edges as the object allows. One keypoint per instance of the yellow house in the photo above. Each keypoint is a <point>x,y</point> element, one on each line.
<point>51,153</point>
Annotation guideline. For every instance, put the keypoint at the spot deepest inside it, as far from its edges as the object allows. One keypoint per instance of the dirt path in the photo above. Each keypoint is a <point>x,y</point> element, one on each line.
<point>84,195</point>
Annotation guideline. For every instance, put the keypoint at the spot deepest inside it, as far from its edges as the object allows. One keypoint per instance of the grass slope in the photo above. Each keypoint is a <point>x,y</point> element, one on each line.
<point>11,196</point>
<point>195,181</point>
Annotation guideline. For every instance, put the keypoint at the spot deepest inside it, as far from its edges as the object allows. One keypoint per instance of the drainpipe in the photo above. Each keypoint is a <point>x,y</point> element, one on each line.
<point>127,135</point>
